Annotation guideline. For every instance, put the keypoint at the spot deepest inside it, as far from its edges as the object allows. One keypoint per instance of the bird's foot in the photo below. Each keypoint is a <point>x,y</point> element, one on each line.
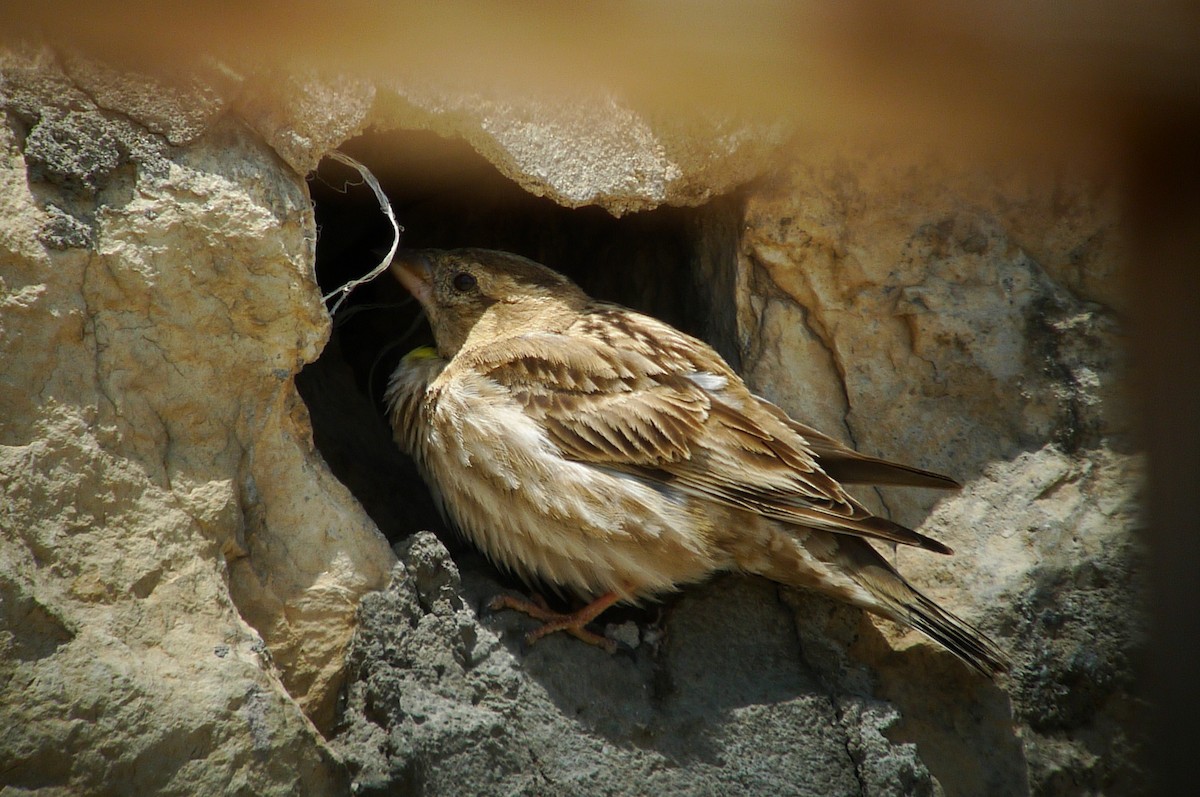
<point>573,623</point>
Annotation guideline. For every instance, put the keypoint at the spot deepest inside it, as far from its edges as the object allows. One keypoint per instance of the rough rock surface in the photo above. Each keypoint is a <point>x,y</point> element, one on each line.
<point>179,571</point>
<point>442,704</point>
<point>591,149</point>
<point>917,309</point>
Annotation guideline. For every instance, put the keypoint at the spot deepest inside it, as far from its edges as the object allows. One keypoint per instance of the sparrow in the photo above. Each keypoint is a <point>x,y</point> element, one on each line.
<point>597,449</point>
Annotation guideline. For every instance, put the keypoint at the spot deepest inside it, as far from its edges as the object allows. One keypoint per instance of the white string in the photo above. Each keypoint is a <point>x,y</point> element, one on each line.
<point>386,207</point>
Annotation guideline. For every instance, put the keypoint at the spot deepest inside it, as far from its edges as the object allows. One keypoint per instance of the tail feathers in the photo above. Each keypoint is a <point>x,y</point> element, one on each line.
<point>896,599</point>
<point>957,636</point>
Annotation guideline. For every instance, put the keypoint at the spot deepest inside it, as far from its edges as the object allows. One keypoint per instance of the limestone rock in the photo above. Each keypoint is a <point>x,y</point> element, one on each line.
<point>590,149</point>
<point>895,302</point>
<point>179,572</point>
<point>947,319</point>
<point>302,114</point>
<point>579,149</point>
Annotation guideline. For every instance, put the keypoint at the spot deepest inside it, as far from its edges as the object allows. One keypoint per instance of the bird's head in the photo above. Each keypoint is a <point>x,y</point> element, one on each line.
<point>475,295</point>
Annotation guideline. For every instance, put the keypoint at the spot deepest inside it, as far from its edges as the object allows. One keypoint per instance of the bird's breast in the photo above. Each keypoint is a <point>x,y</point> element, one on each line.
<point>591,528</point>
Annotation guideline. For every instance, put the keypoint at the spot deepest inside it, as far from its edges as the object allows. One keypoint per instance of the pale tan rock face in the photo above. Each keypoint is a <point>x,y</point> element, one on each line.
<point>954,319</point>
<point>589,148</point>
<point>165,521</point>
<point>921,316</point>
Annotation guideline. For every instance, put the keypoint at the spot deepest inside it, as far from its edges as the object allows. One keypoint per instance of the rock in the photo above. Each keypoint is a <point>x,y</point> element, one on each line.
<point>179,571</point>
<point>303,115</point>
<point>900,305</point>
<point>591,149</point>
<point>442,703</point>
<point>892,302</point>
<point>180,107</point>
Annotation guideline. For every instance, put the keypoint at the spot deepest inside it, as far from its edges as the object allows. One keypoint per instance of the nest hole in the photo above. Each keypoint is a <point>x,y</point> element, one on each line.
<point>674,263</point>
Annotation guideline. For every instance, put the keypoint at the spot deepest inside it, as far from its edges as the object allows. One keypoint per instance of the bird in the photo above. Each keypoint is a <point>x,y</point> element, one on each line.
<point>582,444</point>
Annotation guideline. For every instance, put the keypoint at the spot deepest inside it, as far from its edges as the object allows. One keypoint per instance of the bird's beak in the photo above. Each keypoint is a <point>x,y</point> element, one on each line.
<point>414,271</point>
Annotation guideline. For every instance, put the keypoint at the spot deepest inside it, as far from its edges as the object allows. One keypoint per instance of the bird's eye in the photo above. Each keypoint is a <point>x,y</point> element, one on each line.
<point>463,282</point>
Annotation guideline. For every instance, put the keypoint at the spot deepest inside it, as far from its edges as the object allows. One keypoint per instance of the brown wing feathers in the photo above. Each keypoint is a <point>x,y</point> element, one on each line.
<point>622,408</point>
<point>850,467</point>
<point>649,427</point>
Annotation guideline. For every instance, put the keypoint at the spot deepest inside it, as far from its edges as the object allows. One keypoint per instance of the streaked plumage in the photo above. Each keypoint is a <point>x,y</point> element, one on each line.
<point>602,450</point>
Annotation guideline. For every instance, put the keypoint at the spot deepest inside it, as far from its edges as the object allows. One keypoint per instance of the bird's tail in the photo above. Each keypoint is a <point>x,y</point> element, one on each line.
<point>955,634</point>
<point>853,571</point>
<point>898,600</point>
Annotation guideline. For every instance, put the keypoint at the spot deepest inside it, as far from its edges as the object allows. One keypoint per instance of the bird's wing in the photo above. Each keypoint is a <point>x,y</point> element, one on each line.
<point>628,392</point>
<point>599,403</point>
<point>747,461</point>
<point>848,466</point>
